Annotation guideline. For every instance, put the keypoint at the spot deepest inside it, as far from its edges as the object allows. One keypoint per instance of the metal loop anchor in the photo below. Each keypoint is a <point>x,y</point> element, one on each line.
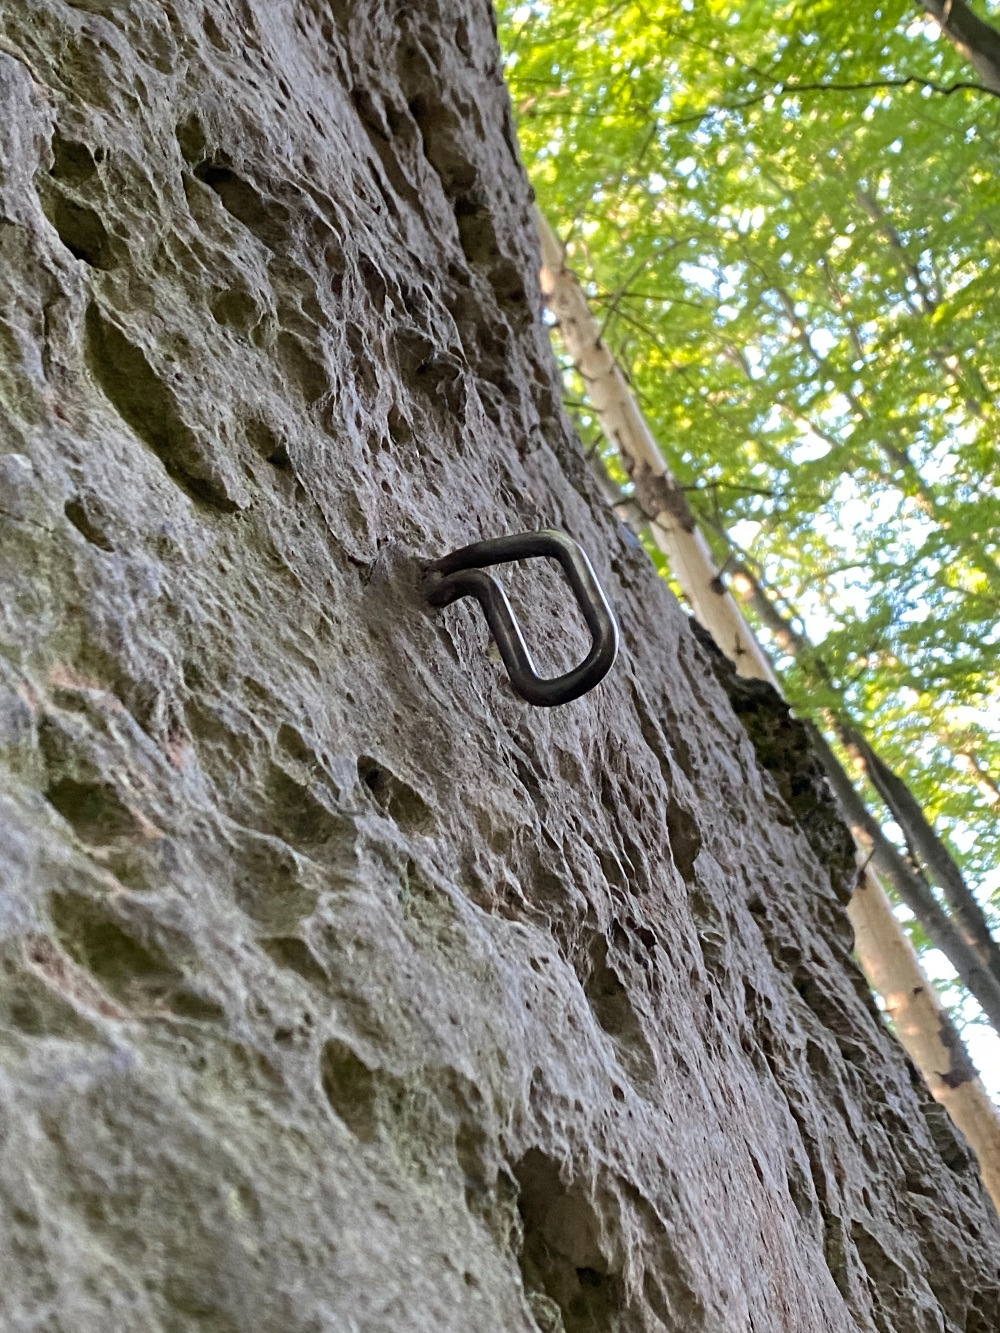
<point>462,576</point>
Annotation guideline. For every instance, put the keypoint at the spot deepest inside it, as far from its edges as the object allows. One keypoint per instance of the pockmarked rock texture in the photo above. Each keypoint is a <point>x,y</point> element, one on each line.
<point>340,990</point>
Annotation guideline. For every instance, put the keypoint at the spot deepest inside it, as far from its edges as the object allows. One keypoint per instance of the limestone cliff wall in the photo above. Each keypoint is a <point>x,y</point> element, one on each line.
<point>341,991</point>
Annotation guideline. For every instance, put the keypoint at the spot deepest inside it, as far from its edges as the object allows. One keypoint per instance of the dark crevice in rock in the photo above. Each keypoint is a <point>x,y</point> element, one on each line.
<point>85,524</point>
<point>73,162</point>
<point>443,138</point>
<point>294,744</point>
<point>612,1006</point>
<point>37,997</point>
<point>266,442</point>
<point>294,954</point>
<point>298,813</point>
<point>272,885</point>
<point>385,146</point>
<point>267,218</point>
<point>237,309</point>
<point>395,797</point>
<point>144,401</point>
<point>430,369</point>
<point>684,837</point>
<point>192,139</point>
<point>138,974</point>
<point>476,230</point>
<point>278,458</point>
<point>81,229</point>
<point>439,128</point>
<point>349,1086</point>
<point>561,1257</point>
<point>94,809</point>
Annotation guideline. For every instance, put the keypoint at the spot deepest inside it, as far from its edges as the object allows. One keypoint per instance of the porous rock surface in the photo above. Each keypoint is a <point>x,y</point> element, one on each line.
<point>340,990</point>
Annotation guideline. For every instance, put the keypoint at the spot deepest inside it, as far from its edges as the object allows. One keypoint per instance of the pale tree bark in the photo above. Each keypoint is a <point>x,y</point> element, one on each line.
<point>673,526</point>
<point>891,964</point>
<point>340,989</point>
<point>930,851</point>
<point>700,579</point>
<point>977,40</point>
<point>912,888</point>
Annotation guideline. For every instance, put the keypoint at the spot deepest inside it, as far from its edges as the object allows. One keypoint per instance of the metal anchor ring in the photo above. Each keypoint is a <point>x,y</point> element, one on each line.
<point>462,576</point>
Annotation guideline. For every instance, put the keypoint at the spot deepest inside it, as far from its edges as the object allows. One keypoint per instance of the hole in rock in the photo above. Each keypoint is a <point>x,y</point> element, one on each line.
<point>84,524</point>
<point>349,1086</point>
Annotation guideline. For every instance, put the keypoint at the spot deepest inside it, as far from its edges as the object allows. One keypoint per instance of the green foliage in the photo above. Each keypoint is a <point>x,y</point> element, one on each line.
<point>789,216</point>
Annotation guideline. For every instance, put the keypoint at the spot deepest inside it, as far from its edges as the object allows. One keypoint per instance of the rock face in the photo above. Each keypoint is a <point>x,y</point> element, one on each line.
<point>340,990</point>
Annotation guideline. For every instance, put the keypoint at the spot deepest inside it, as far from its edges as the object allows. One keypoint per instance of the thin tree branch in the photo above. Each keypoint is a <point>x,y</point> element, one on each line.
<point>865,85</point>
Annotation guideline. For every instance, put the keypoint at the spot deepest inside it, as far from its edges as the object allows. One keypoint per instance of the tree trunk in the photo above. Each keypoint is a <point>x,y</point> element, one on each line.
<point>922,1024</point>
<point>339,988</point>
<point>977,40</point>
<point>930,852</point>
<point>910,886</point>
<point>673,526</point>
<point>962,933</point>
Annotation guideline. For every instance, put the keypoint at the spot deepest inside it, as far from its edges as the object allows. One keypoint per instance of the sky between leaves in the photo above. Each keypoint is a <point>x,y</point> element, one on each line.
<point>788,217</point>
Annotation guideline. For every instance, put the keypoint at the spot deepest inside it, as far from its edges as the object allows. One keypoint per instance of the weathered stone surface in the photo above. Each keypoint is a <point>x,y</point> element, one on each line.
<point>339,989</point>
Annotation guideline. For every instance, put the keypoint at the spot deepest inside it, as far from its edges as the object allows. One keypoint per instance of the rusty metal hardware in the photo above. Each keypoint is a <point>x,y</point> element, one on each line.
<point>462,576</point>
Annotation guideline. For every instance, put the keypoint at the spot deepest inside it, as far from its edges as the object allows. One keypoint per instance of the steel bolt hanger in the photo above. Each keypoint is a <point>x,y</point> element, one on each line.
<point>462,576</point>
